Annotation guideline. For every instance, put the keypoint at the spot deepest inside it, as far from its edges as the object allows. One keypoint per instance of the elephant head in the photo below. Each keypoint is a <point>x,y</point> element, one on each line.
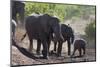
<point>56,28</point>
<point>71,34</point>
<point>52,23</point>
<point>18,8</point>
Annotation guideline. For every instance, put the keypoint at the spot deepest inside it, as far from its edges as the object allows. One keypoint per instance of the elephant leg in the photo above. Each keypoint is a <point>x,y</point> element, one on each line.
<point>38,46</point>
<point>54,50</point>
<point>83,51</point>
<point>59,48</point>
<point>80,52</point>
<point>73,52</point>
<point>55,43</point>
<point>48,42</point>
<point>45,49</point>
<point>31,45</point>
<point>69,47</point>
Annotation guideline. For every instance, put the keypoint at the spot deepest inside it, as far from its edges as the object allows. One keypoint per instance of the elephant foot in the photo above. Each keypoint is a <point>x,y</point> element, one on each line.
<point>52,52</point>
<point>80,56</point>
<point>45,55</point>
<point>76,56</point>
<point>58,54</point>
<point>38,53</point>
<point>72,56</point>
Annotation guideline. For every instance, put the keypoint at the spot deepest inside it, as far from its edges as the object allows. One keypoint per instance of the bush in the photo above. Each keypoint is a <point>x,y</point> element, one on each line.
<point>90,30</point>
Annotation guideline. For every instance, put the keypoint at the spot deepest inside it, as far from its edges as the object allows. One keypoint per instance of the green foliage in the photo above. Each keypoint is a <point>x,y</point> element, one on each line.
<point>62,11</point>
<point>91,30</point>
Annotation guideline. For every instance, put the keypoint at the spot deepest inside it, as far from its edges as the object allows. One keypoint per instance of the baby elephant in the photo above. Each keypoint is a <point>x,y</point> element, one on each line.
<point>79,45</point>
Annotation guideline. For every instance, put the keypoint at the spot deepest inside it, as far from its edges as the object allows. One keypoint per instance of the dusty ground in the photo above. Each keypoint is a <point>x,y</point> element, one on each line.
<point>20,57</point>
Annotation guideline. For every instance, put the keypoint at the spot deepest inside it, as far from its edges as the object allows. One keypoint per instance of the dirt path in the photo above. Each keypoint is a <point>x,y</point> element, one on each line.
<point>18,58</point>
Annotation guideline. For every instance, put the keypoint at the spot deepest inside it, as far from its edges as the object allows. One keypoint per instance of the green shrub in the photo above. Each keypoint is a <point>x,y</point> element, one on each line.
<point>90,30</point>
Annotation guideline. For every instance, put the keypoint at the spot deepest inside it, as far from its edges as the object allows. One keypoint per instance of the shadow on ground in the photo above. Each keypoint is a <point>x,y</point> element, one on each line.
<point>24,51</point>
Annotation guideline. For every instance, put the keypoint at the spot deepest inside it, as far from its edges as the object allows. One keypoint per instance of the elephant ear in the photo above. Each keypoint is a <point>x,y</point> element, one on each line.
<point>56,28</point>
<point>53,22</point>
<point>44,21</point>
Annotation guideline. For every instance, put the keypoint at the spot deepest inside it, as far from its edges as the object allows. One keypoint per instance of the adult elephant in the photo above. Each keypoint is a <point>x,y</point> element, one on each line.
<point>18,8</point>
<point>40,27</point>
<point>67,34</point>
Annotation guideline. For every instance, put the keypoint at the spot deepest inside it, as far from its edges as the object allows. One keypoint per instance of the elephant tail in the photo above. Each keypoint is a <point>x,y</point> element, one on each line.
<point>23,37</point>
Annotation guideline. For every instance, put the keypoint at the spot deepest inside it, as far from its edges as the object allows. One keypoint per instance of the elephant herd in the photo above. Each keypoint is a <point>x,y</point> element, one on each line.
<point>45,28</point>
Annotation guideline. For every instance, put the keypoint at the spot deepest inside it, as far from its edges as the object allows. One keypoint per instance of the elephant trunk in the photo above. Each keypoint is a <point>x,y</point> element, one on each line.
<point>72,38</point>
<point>58,34</point>
<point>56,28</point>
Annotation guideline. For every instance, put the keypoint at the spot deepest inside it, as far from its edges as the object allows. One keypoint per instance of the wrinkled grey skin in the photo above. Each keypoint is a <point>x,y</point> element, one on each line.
<point>79,45</point>
<point>41,27</point>
<point>67,34</point>
<point>18,8</point>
